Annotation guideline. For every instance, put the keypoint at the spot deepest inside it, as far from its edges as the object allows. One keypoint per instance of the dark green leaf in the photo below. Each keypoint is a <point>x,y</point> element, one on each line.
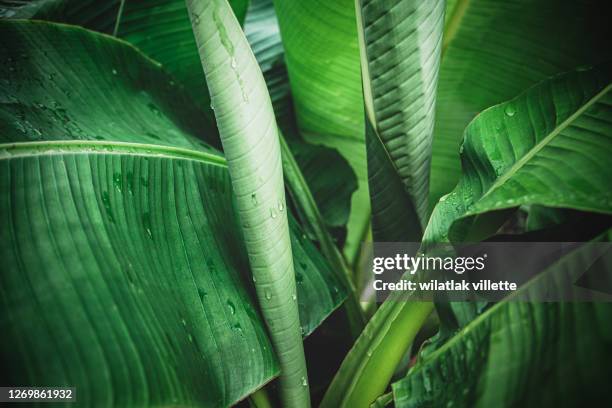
<point>125,272</point>
<point>520,353</point>
<point>494,49</point>
<point>548,146</point>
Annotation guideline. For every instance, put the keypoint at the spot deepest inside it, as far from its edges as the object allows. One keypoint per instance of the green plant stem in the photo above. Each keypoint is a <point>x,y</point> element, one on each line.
<point>367,369</point>
<point>249,135</point>
<point>306,201</point>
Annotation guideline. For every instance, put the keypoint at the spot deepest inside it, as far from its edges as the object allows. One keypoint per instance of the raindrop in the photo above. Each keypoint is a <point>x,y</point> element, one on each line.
<point>510,110</point>
<point>146,222</point>
<point>268,294</point>
<point>202,293</point>
<point>117,181</point>
<point>107,206</point>
<point>254,198</point>
<point>426,381</point>
<point>304,382</point>
<point>294,297</point>
<point>299,278</point>
<point>233,63</point>
<point>130,182</point>
<point>231,307</point>
<point>154,109</point>
<point>273,213</point>
<point>190,338</point>
<point>114,71</point>
<point>281,206</point>
<point>237,328</point>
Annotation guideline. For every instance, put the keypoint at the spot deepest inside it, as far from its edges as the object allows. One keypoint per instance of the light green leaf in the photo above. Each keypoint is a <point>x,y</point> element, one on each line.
<point>124,262</point>
<point>495,49</point>
<point>401,42</point>
<point>250,139</point>
<point>520,353</point>
<point>367,369</point>
<point>322,56</point>
<point>548,146</point>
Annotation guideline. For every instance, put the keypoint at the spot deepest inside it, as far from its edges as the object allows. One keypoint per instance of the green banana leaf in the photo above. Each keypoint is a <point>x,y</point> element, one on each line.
<point>162,31</point>
<point>332,194</point>
<point>399,81</point>
<point>125,272</point>
<point>159,28</point>
<point>495,49</point>
<point>322,56</point>
<point>548,146</point>
<point>520,353</point>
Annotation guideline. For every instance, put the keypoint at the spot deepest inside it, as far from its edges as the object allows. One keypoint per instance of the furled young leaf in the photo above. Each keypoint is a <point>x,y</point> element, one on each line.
<point>520,353</point>
<point>124,263</point>
<point>250,139</point>
<point>322,55</point>
<point>549,146</point>
<point>401,42</point>
<point>494,49</point>
<point>159,28</point>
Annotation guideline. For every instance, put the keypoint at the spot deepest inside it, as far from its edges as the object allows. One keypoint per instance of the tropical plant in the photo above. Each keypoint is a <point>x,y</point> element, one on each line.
<point>184,187</point>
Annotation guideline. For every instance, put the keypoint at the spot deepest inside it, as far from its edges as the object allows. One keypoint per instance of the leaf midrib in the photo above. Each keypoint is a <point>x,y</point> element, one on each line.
<point>454,22</point>
<point>30,149</point>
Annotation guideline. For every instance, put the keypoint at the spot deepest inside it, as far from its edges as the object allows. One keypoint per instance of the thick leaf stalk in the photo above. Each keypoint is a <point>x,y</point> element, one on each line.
<point>250,141</point>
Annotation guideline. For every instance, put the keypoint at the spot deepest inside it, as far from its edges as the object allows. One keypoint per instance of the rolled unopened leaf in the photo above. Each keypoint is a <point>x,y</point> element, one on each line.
<point>250,141</point>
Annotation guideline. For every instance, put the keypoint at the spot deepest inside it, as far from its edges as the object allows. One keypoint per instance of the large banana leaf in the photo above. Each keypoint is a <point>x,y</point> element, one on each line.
<point>549,146</point>
<point>124,271</point>
<point>494,49</point>
<point>401,43</point>
<point>162,30</point>
<point>322,56</point>
<point>159,28</point>
<point>520,353</point>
